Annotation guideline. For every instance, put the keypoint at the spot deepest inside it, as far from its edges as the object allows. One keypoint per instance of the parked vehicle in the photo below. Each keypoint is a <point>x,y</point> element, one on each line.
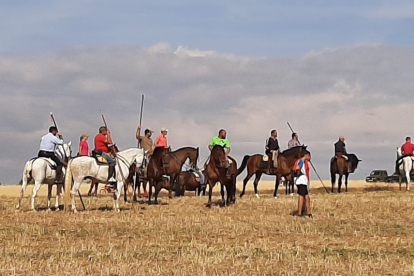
<point>377,176</point>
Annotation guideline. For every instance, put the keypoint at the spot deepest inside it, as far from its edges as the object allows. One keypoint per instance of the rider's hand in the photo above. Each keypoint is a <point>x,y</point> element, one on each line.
<point>139,127</point>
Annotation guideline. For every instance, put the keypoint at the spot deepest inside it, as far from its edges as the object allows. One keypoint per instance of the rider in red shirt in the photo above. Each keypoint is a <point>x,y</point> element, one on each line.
<point>102,139</point>
<point>408,148</point>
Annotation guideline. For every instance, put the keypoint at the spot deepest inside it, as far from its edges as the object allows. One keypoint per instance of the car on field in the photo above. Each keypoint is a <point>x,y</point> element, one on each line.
<point>377,176</point>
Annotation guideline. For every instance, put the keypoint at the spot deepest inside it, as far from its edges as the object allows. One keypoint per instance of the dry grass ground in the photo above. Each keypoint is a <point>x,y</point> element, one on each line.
<point>368,231</point>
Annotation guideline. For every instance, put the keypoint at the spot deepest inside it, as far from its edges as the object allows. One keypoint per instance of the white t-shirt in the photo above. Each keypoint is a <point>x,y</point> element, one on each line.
<point>303,179</point>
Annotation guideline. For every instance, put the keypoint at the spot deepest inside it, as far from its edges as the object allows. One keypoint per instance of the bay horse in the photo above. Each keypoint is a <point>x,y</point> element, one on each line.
<point>404,168</point>
<point>216,172</point>
<point>339,165</point>
<point>39,169</point>
<point>164,162</point>
<point>286,161</point>
<point>82,167</point>
<point>187,182</point>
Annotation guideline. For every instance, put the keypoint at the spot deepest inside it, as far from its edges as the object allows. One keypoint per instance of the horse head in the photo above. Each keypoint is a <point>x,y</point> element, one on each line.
<point>194,157</point>
<point>218,156</point>
<point>64,151</point>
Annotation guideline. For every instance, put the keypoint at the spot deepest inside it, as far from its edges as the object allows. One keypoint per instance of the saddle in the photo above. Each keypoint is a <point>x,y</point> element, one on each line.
<point>199,176</point>
<point>98,158</point>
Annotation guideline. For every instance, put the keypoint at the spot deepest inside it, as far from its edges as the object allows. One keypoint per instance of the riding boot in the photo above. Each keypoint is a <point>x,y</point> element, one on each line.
<point>58,174</point>
<point>269,166</point>
<point>111,174</point>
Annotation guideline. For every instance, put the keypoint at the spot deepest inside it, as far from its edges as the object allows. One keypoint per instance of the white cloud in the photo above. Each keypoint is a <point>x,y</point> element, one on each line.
<point>363,93</point>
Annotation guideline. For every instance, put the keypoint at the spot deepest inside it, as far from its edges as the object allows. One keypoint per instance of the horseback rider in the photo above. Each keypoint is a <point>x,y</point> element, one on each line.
<point>340,151</point>
<point>47,147</point>
<point>294,142</point>
<point>161,140</point>
<point>103,141</point>
<point>272,149</point>
<point>222,141</point>
<point>145,141</point>
<point>406,150</point>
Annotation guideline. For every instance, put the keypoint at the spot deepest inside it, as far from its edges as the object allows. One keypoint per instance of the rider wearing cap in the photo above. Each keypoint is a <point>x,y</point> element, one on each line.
<point>47,149</point>
<point>161,140</point>
<point>145,141</point>
<point>102,142</point>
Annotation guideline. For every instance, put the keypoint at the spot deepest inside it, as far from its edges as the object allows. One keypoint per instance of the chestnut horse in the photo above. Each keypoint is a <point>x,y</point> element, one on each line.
<point>286,161</point>
<point>187,182</point>
<point>164,162</point>
<point>339,165</point>
<point>216,172</point>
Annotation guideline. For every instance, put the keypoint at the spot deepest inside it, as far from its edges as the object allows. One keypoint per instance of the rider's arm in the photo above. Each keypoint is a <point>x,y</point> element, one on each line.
<point>138,134</point>
<point>228,151</point>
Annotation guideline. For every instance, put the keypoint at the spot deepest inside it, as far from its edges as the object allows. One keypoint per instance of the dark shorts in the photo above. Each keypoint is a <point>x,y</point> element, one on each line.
<point>302,190</point>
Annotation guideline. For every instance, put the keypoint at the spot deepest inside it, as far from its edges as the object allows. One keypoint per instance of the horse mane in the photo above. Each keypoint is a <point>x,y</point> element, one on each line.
<point>184,148</point>
<point>157,151</point>
<point>291,151</point>
<point>353,159</point>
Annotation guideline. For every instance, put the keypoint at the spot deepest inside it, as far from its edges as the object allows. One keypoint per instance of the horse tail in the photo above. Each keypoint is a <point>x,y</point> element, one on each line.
<point>68,184</point>
<point>243,164</point>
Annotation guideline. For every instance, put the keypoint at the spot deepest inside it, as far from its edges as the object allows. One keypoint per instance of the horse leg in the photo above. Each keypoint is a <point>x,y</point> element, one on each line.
<point>339,183</point>
<point>90,189</point>
<point>346,182</point>
<point>222,194</point>
<point>400,180</point>
<point>96,188</point>
<point>117,195</point>
<point>245,180</point>
<point>157,191</point>
<point>49,195</point>
<point>256,183</point>
<point>210,193</point>
<point>73,192</point>
<point>35,191</point>
<point>59,188</point>
<point>407,175</point>
<point>150,184</point>
<point>276,186</point>
<point>333,180</point>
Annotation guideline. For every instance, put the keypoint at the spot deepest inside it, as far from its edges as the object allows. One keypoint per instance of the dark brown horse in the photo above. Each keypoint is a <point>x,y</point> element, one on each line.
<point>339,165</point>
<point>168,163</point>
<point>216,172</point>
<point>256,165</point>
<point>187,182</point>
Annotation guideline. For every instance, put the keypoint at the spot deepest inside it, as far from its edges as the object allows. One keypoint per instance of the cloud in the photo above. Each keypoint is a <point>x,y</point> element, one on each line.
<point>363,93</point>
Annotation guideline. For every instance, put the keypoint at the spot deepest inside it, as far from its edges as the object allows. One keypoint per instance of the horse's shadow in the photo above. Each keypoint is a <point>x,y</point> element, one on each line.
<point>218,203</point>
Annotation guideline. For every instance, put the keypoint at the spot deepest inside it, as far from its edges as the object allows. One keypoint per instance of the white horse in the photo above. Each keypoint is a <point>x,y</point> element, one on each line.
<point>405,167</point>
<point>83,167</point>
<point>40,170</point>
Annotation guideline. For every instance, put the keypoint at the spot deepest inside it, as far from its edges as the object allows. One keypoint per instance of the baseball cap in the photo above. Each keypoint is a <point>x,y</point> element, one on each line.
<point>164,129</point>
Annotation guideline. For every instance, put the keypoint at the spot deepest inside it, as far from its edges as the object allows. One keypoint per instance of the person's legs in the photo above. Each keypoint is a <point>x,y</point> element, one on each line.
<point>111,170</point>
<point>300,205</point>
<point>308,209</point>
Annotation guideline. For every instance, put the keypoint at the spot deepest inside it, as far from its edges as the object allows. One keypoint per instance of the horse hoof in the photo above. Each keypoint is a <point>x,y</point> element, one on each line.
<point>257,195</point>
<point>275,197</point>
<point>75,211</point>
<point>89,194</point>
<point>48,210</point>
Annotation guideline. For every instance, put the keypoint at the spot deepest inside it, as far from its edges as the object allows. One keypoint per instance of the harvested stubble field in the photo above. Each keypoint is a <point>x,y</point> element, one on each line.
<point>368,231</point>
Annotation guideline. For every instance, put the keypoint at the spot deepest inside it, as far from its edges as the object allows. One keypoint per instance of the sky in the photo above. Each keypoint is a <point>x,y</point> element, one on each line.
<point>330,68</point>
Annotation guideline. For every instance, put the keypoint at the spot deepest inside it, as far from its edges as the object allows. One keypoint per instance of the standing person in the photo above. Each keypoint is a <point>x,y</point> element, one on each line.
<point>145,141</point>
<point>302,182</point>
<point>161,140</point>
<point>83,146</point>
<point>47,149</point>
<point>102,142</point>
<point>272,150</point>
<point>294,142</point>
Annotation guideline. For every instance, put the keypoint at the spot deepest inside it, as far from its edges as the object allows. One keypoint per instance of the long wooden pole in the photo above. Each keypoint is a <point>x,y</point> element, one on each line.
<point>140,120</point>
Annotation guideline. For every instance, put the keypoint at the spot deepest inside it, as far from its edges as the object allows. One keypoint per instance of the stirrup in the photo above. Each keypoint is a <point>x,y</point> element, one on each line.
<point>112,179</point>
